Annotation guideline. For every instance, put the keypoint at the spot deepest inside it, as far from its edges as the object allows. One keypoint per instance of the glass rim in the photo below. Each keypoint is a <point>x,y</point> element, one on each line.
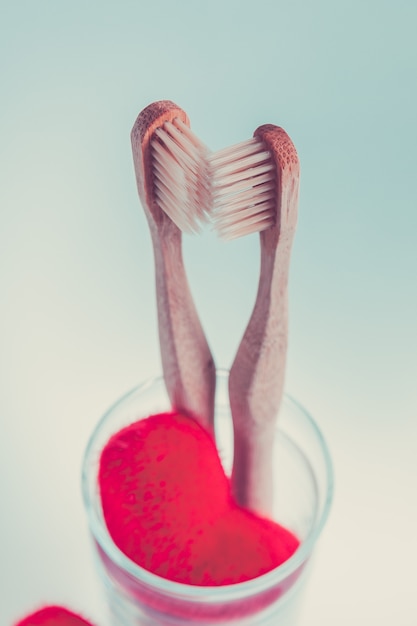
<point>204,592</point>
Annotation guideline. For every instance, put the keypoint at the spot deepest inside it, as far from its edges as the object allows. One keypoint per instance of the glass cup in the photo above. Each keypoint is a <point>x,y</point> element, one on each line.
<point>303,487</point>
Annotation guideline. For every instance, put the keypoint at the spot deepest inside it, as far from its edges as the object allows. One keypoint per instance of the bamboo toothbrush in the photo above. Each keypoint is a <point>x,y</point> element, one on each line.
<point>171,179</point>
<point>255,188</point>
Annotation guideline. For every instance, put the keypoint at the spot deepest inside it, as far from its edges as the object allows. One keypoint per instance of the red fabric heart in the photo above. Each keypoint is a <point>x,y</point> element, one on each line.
<point>168,506</point>
<point>53,616</point>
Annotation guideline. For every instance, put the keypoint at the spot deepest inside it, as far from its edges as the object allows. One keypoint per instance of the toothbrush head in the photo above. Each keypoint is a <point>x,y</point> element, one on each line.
<point>255,185</point>
<point>170,165</point>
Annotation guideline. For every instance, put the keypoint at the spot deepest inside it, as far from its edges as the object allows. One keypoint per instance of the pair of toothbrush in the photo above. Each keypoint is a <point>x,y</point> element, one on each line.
<point>251,187</point>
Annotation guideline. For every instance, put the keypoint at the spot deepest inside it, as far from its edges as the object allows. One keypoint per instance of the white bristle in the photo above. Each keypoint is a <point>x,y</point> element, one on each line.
<point>245,147</point>
<point>180,175</point>
<point>243,189</point>
<point>236,186</point>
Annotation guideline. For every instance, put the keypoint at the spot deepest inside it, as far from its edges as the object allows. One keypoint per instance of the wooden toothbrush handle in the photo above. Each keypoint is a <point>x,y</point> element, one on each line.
<point>256,384</point>
<point>256,380</point>
<point>187,362</point>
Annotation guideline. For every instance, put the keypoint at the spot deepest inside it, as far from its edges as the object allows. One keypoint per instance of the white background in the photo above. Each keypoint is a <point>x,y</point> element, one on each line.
<point>78,325</point>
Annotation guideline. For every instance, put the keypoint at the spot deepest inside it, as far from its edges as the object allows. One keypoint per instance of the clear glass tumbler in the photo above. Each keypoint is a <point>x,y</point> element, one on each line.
<point>303,487</point>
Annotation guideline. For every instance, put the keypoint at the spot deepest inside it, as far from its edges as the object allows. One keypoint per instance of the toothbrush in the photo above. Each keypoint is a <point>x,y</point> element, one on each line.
<point>171,180</point>
<point>255,188</point>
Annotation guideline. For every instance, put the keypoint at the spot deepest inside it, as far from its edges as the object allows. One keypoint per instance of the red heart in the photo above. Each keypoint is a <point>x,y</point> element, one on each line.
<point>53,616</point>
<point>168,506</point>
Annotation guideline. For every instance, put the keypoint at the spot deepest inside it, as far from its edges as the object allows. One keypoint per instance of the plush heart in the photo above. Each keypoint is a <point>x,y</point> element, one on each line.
<point>53,616</point>
<point>167,505</point>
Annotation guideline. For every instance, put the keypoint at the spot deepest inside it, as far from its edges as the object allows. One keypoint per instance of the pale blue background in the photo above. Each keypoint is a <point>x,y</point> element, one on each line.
<point>78,325</point>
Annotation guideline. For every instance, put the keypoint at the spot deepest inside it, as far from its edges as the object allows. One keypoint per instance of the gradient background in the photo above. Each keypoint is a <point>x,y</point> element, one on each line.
<point>78,325</point>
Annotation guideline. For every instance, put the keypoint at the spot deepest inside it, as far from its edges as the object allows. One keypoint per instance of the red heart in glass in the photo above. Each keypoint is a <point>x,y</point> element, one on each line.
<point>168,506</point>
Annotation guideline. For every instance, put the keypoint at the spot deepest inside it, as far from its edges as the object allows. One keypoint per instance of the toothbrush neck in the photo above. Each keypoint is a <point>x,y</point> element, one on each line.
<point>167,240</point>
<point>274,272</point>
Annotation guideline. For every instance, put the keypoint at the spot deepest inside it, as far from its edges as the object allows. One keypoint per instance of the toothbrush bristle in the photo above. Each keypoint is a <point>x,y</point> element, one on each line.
<point>179,164</point>
<point>242,189</point>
